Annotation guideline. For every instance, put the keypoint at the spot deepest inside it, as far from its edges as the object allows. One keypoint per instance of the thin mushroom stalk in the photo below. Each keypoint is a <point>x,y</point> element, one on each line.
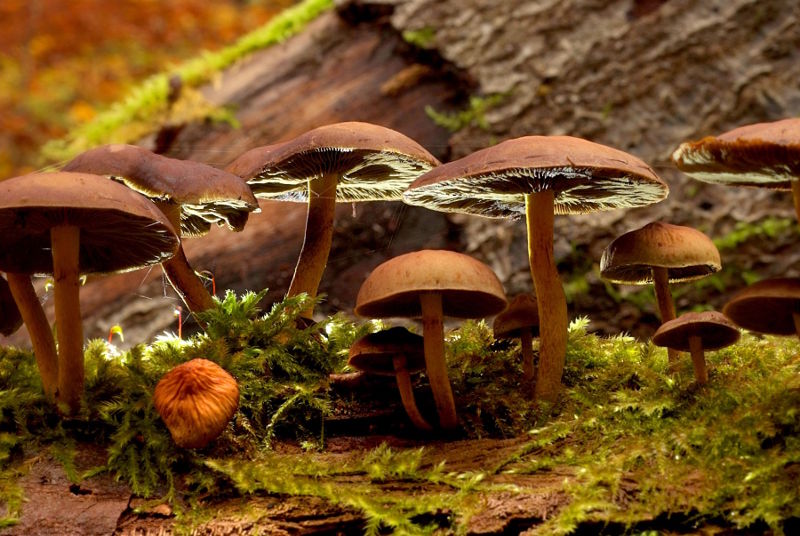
<point>44,346</point>
<point>435,365</point>
<point>528,368</point>
<point>552,302</point>
<point>318,238</point>
<point>698,359</point>
<point>666,306</point>
<point>407,393</point>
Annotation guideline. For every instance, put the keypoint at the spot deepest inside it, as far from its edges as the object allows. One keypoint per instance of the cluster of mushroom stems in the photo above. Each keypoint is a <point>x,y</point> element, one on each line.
<point>121,207</point>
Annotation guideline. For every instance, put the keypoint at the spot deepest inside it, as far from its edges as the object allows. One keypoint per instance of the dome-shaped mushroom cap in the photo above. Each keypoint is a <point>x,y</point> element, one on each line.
<point>120,229</point>
<point>206,194</point>
<point>686,253</point>
<point>374,353</point>
<point>522,314</point>
<point>492,182</point>
<point>374,163</point>
<point>10,317</point>
<point>713,328</point>
<point>196,400</point>
<point>766,306</point>
<point>761,154</point>
<point>469,288</point>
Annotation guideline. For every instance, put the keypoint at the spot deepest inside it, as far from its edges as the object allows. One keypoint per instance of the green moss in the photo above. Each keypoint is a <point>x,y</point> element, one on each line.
<point>422,38</point>
<point>145,109</point>
<point>473,115</point>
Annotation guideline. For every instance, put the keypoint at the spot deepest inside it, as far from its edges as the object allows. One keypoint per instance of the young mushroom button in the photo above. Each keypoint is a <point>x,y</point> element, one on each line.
<point>765,155</point>
<point>770,306</point>
<point>191,194</point>
<point>10,318</point>
<point>431,284</point>
<point>68,224</point>
<point>660,253</point>
<point>393,352</point>
<point>520,320</point>
<point>342,162</point>
<point>538,177</point>
<point>695,333</point>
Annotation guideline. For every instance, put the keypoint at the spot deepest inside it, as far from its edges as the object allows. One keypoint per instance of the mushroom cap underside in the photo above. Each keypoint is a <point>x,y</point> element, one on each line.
<point>762,154</point>
<point>767,306</point>
<point>713,328</point>
<point>584,176</point>
<point>468,287</point>
<point>373,163</point>
<point>686,253</point>
<point>206,195</point>
<point>374,353</point>
<point>120,229</point>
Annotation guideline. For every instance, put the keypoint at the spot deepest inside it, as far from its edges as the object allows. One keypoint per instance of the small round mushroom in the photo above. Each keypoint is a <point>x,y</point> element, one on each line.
<point>520,320</point>
<point>695,333</point>
<point>68,224</point>
<point>770,306</point>
<point>393,352</point>
<point>431,284</point>
<point>10,317</point>
<point>660,253</point>
<point>191,194</point>
<point>538,177</point>
<point>344,162</point>
<point>765,155</point>
<point>196,400</point>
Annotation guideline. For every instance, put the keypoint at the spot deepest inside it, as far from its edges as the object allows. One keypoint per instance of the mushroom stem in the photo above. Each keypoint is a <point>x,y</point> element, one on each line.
<point>552,303</point>
<point>64,242</point>
<point>698,359</point>
<point>796,319</point>
<point>179,272</point>
<point>318,238</point>
<point>435,365</point>
<point>526,341</point>
<point>407,394</point>
<point>666,307</point>
<point>44,346</point>
<point>796,197</point>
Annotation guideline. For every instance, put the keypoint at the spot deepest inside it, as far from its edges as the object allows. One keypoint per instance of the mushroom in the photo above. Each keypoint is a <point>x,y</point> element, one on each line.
<point>770,306</point>
<point>345,162</point>
<point>431,284</point>
<point>765,155</point>
<point>393,352</point>
<point>520,320</point>
<point>192,195</point>
<point>68,224</point>
<point>196,400</point>
<point>538,177</point>
<point>660,253</point>
<point>695,333</point>
<point>10,318</point>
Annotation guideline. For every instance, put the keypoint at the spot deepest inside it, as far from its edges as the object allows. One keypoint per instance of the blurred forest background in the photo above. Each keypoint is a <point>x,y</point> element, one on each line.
<point>62,61</point>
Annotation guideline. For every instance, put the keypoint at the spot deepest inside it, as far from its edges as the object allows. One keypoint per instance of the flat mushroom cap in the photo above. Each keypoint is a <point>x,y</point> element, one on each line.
<point>584,176</point>
<point>374,353</point>
<point>686,253</point>
<point>196,400</point>
<point>120,229</point>
<point>762,154</point>
<point>374,163</point>
<point>766,306</point>
<point>10,317</point>
<point>715,330</point>
<point>206,194</point>
<point>522,314</point>
<point>468,287</point>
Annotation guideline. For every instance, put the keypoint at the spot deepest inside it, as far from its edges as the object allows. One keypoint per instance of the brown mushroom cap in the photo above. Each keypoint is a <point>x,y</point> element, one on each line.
<point>522,314</point>
<point>468,287</point>
<point>120,229</point>
<point>766,306</point>
<point>686,253</point>
<point>492,182</point>
<point>10,317</point>
<point>762,154</point>
<point>714,329</point>
<point>374,353</point>
<point>206,194</point>
<point>374,163</point>
<point>196,400</point>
